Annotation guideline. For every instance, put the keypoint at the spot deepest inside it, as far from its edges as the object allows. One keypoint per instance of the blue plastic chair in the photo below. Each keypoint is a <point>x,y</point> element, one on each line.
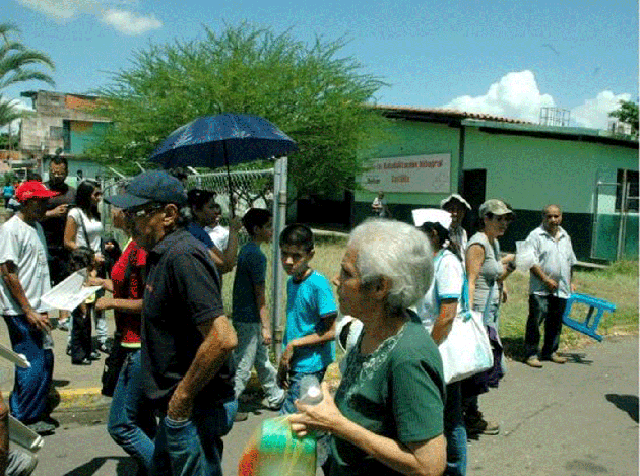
<point>590,324</point>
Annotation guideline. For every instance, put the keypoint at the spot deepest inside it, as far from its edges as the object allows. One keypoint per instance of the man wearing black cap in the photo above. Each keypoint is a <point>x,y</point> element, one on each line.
<point>187,340</point>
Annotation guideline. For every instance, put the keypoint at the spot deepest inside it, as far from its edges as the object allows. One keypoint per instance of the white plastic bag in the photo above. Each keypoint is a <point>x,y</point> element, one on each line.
<point>525,256</point>
<point>467,349</point>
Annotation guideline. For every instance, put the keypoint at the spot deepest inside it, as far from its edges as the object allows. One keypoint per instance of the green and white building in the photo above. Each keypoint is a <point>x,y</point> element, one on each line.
<point>591,174</point>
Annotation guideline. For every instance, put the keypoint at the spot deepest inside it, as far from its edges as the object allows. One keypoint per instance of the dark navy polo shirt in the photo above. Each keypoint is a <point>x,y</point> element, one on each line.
<point>182,290</point>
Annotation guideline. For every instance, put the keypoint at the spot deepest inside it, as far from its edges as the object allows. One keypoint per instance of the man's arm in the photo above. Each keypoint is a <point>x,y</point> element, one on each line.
<point>9,273</point>
<point>265,321</point>
<point>551,284</point>
<point>219,341</point>
<point>325,332</point>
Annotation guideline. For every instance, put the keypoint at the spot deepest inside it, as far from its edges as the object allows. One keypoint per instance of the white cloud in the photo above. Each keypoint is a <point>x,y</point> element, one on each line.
<point>516,96</point>
<point>61,9</point>
<point>130,23</point>
<point>123,20</point>
<point>594,113</point>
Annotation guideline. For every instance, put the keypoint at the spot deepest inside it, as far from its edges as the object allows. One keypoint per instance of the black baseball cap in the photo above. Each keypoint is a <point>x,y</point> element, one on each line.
<point>152,186</point>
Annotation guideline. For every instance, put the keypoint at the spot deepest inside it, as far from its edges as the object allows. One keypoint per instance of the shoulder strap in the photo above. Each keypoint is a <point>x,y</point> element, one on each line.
<point>84,228</point>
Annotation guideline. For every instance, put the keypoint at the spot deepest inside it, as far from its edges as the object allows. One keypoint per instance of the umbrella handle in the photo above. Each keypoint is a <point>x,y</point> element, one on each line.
<point>232,204</point>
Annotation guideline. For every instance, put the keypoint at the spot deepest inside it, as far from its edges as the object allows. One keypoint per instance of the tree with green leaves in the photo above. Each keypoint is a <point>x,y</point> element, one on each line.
<point>18,64</point>
<point>310,92</point>
<point>628,114</point>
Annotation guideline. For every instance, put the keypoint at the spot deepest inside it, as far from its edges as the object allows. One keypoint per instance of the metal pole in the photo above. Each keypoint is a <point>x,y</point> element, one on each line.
<point>279,218</point>
<point>623,203</point>
<point>594,222</point>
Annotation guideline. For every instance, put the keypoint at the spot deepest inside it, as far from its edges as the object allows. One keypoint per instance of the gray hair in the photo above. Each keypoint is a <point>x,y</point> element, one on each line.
<point>397,251</point>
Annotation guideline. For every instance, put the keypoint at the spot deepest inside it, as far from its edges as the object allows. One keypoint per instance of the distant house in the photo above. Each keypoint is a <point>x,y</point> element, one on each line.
<point>62,121</point>
<point>428,154</point>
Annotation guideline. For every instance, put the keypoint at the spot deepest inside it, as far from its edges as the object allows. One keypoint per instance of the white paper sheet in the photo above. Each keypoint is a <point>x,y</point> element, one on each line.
<point>68,294</point>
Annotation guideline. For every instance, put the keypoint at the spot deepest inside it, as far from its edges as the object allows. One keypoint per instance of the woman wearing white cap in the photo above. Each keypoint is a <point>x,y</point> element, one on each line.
<point>485,271</point>
<point>458,208</point>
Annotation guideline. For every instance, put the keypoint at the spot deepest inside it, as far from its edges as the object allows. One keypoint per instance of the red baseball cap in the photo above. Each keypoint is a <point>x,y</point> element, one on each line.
<point>33,189</point>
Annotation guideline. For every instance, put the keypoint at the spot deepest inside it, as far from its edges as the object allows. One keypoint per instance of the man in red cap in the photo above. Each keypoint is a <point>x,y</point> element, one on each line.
<point>25,278</point>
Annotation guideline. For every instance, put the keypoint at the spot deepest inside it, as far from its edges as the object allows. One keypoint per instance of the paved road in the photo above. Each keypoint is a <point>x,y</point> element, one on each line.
<point>577,419</point>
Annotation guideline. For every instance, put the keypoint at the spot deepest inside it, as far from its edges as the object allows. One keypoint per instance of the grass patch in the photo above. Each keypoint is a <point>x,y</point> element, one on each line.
<point>618,284</point>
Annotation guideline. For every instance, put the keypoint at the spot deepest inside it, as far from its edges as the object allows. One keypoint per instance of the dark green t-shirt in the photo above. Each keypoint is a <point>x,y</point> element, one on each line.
<point>397,391</point>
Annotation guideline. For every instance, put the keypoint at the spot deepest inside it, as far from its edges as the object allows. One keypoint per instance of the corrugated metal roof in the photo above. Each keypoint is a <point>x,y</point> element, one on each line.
<point>451,113</point>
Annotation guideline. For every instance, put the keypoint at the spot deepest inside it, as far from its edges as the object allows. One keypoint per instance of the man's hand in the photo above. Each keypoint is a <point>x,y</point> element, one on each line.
<point>98,259</point>
<point>285,364</point>
<point>573,287</point>
<point>180,407</point>
<point>38,321</point>
<point>551,284</point>
<point>266,335</point>
<point>94,281</point>
<point>59,211</point>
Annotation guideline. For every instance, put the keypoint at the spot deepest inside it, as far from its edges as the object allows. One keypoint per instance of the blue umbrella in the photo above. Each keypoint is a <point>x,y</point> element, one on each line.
<point>227,139</point>
<point>215,141</point>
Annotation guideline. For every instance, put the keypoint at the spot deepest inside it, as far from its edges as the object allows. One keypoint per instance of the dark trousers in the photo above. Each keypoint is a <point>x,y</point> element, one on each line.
<point>547,309</point>
<point>81,333</point>
<point>29,396</point>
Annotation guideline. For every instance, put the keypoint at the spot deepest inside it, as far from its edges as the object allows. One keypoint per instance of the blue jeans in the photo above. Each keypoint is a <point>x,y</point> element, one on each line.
<point>194,446</point>
<point>251,352</point>
<point>131,422</point>
<point>29,397</point>
<point>293,392</point>
<point>455,432</point>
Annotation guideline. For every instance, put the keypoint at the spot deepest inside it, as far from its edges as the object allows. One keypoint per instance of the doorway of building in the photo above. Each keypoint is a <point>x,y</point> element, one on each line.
<point>474,191</point>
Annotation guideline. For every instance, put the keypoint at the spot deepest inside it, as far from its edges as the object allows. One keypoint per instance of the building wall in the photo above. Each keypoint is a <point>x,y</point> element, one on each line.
<point>528,172</point>
<point>43,132</point>
<point>404,138</point>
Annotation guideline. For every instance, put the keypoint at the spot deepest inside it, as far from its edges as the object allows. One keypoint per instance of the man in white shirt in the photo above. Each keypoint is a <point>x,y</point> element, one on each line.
<point>549,287</point>
<point>25,278</point>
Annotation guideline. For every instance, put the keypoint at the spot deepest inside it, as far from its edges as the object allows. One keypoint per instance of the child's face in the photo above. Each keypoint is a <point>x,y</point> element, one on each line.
<point>295,260</point>
<point>264,233</point>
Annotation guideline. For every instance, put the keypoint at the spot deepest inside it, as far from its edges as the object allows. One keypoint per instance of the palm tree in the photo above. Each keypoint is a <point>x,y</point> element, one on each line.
<point>17,64</point>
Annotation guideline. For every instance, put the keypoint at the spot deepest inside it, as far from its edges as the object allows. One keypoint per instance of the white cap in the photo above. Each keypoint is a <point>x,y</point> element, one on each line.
<point>434,215</point>
<point>452,197</point>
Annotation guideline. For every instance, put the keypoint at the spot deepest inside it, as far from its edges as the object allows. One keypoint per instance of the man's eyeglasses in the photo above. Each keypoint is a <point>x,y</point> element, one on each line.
<point>140,212</point>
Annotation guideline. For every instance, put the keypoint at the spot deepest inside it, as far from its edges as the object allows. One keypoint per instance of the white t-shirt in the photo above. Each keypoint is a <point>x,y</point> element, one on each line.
<point>447,284</point>
<point>93,226</point>
<point>25,246</point>
<point>219,235</point>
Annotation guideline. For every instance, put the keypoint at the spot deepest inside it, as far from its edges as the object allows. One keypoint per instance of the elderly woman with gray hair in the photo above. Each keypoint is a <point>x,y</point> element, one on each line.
<point>387,416</point>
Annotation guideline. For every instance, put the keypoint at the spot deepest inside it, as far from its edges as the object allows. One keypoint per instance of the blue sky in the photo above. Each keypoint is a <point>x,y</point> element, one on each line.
<point>498,57</point>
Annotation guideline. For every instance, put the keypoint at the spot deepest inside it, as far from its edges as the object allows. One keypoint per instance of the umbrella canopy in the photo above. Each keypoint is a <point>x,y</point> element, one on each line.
<point>227,139</point>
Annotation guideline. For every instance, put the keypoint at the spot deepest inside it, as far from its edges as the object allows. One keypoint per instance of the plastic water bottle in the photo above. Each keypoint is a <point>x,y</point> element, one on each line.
<point>310,391</point>
<point>311,394</point>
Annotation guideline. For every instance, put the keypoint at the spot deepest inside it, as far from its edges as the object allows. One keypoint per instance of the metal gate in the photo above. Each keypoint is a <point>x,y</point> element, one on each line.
<point>251,188</point>
<point>614,231</point>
